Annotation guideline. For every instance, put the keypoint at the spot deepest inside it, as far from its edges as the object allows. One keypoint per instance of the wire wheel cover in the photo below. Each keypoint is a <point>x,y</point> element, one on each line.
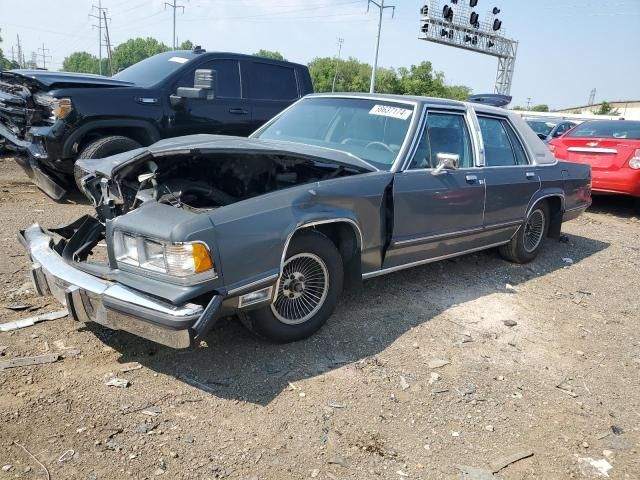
<point>534,230</point>
<point>302,289</point>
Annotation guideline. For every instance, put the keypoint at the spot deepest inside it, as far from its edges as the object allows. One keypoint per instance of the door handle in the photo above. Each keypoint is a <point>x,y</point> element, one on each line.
<point>471,178</point>
<point>238,111</point>
<point>530,175</point>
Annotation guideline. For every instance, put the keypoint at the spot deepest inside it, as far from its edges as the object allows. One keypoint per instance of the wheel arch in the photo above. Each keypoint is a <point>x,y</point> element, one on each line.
<point>346,235</point>
<point>141,131</point>
<point>556,201</point>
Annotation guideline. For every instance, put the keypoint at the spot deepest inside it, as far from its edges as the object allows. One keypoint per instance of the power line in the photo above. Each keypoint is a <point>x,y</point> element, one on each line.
<point>174,6</point>
<point>381,7</point>
<point>44,56</point>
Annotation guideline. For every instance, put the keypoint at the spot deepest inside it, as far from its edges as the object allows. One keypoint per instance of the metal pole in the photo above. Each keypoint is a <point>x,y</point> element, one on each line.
<point>106,29</point>
<point>100,36</point>
<point>335,75</point>
<point>375,58</point>
<point>174,24</point>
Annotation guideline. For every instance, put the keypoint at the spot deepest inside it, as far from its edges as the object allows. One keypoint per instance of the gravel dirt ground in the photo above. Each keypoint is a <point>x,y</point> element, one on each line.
<point>419,374</point>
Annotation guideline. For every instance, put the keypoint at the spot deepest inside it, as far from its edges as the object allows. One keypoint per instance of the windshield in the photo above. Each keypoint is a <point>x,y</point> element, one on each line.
<point>607,129</point>
<point>373,130</point>
<point>541,126</point>
<point>153,69</point>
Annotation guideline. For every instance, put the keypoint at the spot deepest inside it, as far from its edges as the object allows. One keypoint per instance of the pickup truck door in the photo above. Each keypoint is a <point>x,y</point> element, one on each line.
<point>272,88</point>
<point>437,215</point>
<point>229,113</point>
<point>511,181</point>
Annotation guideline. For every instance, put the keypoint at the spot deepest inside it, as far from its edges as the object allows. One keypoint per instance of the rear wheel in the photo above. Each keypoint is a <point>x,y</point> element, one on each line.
<point>308,291</point>
<point>527,242</point>
<point>104,147</point>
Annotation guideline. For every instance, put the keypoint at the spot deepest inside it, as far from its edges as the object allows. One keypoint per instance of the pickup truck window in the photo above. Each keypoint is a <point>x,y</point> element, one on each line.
<point>228,77</point>
<point>443,133</point>
<point>273,82</point>
<point>502,147</point>
<point>373,130</point>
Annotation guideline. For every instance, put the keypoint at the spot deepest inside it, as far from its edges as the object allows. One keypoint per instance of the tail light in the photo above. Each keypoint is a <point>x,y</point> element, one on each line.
<point>634,162</point>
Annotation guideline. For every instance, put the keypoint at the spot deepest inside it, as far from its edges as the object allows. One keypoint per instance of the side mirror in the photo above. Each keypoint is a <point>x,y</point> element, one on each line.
<point>541,136</point>
<point>204,87</point>
<point>446,161</point>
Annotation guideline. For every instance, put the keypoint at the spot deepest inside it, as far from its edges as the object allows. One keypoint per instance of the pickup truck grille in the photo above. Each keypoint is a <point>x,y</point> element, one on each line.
<point>14,108</point>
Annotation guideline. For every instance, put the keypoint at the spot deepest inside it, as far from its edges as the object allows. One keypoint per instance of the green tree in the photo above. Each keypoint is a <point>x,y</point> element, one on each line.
<point>606,109</point>
<point>82,62</point>
<point>6,63</point>
<point>270,54</point>
<point>186,45</point>
<point>540,108</point>
<point>134,50</point>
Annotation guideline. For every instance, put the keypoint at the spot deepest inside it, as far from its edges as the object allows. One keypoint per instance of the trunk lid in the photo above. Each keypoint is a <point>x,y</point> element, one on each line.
<point>600,153</point>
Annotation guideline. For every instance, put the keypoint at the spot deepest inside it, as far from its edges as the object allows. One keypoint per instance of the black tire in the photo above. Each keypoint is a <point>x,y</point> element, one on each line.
<point>521,248</point>
<point>104,147</point>
<point>636,205</point>
<point>265,322</point>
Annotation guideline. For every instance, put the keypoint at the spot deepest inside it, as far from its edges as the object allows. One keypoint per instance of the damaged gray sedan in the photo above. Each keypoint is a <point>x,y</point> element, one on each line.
<point>334,190</point>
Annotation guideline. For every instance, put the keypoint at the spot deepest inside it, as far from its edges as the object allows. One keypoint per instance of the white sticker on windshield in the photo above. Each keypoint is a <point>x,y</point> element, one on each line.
<point>393,112</point>
<point>178,59</point>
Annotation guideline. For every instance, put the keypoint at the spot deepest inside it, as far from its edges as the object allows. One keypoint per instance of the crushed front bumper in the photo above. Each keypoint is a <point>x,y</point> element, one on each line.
<point>92,299</point>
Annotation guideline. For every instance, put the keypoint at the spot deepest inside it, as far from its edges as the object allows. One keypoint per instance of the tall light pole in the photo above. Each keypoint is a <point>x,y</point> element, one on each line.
<point>175,7</point>
<point>381,6</point>
<point>335,75</point>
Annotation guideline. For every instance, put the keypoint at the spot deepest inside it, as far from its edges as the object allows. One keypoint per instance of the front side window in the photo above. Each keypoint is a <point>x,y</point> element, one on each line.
<point>273,82</point>
<point>501,145</point>
<point>443,133</point>
<point>227,77</point>
<point>373,130</point>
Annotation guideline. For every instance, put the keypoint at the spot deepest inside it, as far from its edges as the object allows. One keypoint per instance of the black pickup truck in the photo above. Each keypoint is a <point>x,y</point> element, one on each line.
<point>49,119</point>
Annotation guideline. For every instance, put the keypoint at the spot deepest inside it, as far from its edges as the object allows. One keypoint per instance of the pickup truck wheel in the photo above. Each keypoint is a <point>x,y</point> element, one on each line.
<point>527,242</point>
<point>308,291</point>
<point>104,147</point>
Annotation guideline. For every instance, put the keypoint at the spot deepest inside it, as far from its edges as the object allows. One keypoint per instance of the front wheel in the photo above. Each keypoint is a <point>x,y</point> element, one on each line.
<point>527,242</point>
<point>307,291</point>
<point>104,147</point>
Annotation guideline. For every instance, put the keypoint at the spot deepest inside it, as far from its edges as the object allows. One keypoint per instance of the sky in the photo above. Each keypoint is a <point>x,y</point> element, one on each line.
<point>566,47</point>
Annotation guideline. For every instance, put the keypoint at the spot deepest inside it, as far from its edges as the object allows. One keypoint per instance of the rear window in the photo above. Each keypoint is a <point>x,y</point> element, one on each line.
<point>607,129</point>
<point>273,82</point>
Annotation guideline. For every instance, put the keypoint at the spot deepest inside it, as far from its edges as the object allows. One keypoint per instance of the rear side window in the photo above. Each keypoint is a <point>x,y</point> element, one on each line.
<point>444,133</point>
<point>501,145</point>
<point>627,129</point>
<point>228,77</point>
<point>273,82</point>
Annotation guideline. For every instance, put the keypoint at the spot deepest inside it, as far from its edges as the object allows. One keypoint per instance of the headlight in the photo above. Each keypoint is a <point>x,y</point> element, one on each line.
<point>176,259</point>
<point>60,107</point>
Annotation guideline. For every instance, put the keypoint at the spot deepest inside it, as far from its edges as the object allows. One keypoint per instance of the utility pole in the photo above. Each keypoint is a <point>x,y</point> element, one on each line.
<point>381,6</point>
<point>108,43</point>
<point>44,56</point>
<point>592,97</point>
<point>528,103</point>
<point>100,13</point>
<point>175,7</point>
<point>20,54</point>
<point>335,75</point>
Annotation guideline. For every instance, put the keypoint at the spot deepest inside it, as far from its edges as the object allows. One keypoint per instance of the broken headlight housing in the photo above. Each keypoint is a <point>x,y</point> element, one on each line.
<point>183,260</point>
<point>60,107</point>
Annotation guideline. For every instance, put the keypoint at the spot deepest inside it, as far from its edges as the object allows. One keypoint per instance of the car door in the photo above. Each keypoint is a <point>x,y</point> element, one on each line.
<point>229,113</point>
<point>272,88</point>
<point>511,181</point>
<point>437,215</point>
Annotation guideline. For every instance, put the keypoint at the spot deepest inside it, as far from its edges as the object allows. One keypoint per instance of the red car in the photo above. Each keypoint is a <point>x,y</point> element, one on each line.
<point>611,147</point>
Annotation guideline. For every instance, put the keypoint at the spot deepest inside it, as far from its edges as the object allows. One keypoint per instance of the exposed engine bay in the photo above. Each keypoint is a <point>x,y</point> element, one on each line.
<point>201,182</point>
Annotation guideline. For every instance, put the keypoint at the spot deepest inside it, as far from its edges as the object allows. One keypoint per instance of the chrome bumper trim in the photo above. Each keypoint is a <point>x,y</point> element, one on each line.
<point>91,299</point>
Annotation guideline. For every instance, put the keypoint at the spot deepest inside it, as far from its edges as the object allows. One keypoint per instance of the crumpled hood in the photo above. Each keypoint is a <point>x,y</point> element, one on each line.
<point>44,79</point>
<point>203,143</point>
